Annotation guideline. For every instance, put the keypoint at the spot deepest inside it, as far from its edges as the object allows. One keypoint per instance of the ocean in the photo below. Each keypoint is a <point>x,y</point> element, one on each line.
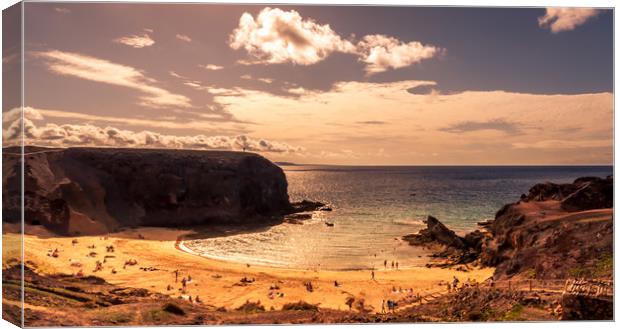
<point>373,207</point>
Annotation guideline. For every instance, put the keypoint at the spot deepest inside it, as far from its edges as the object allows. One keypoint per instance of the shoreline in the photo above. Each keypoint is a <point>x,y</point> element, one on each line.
<point>219,283</point>
<point>180,245</point>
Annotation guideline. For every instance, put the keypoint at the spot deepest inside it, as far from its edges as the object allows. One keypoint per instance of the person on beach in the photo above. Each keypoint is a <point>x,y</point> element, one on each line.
<point>336,284</point>
<point>455,283</point>
<point>397,265</point>
<point>385,264</point>
<point>392,264</point>
<point>383,306</point>
<point>390,305</point>
<point>372,274</point>
<point>176,276</point>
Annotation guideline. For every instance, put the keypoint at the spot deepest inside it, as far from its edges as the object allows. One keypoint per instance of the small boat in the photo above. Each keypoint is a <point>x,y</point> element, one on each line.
<point>329,224</point>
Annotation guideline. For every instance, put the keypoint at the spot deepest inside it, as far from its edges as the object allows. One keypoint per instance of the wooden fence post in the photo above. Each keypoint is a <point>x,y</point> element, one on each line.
<point>530,285</point>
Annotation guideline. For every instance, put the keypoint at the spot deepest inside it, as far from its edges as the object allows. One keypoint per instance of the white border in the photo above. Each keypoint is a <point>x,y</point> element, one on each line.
<point>471,3</point>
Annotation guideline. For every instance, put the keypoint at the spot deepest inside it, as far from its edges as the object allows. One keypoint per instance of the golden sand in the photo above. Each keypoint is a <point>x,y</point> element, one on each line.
<point>217,282</point>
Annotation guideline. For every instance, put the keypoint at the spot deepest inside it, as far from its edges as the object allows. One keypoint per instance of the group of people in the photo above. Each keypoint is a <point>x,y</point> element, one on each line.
<point>55,253</point>
<point>455,284</point>
<point>391,306</point>
<point>394,264</point>
<point>183,289</point>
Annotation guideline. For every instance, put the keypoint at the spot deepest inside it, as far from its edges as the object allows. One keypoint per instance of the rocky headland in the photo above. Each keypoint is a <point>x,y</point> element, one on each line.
<point>80,191</point>
<point>556,231</point>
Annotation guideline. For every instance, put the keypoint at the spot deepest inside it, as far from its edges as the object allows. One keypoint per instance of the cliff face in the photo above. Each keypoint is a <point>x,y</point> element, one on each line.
<point>556,231</point>
<point>94,190</point>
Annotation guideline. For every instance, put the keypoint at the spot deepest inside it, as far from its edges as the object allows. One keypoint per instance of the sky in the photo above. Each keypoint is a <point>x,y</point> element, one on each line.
<point>321,84</point>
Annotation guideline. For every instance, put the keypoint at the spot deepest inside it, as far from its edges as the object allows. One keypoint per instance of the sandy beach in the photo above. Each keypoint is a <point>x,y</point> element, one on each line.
<point>218,283</point>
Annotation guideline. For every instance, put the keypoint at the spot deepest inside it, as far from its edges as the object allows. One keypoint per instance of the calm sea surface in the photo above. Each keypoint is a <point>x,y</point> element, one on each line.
<point>375,206</point>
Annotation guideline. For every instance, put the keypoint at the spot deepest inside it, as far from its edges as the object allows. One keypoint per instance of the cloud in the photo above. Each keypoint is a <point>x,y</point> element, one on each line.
<point>555,144</point>
<point>381,53</point>
<point>265,80</point>
<point>565,19</point>
<point>278,36</point>
<point>371,122</point>
<point>470,127</point>
<point>178,76</point>
<point>136,41</point>
<point>299,91</point>
<point>184,37</point>
<point>495,124</point>
<point>100,70</point>
<point>429,89</point>
<point>211,67</point>
<point>62,10</point>
<point>65,135</point>
<point>246,77</point>
<point>208,119</point>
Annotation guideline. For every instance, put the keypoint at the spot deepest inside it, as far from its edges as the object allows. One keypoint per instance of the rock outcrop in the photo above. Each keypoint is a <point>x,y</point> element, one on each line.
<point>557,231</point>
<point>436,231</point>
<point>583,194</point>
<point>95,190</point>
<point>450,246</point>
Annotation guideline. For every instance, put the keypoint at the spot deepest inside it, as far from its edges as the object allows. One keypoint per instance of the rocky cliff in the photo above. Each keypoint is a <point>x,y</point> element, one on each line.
<point>94,190</point>
<point>556,231</point>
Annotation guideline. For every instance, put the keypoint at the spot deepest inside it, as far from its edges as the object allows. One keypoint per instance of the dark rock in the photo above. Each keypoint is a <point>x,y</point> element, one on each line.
<point>583,194</point>
<point>592,193</point>
<point>306,205</point>
<point>96,190</point>
<point>174,309</point>
<point>440,233</point>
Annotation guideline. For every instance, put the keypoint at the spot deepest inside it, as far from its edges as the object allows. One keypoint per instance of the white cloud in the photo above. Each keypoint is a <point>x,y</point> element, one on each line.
<point>265,80</point>
<point>100,70</point>
<point>381,52</point>
<point>136,41</point>
<point>184,37</point>
<point>66,135</point>
<point>565,19</point>
<point>278,36</point>
<point>298,91</point>
<point>176,75</point>
<point>246,77</point>
<point>211,67</point>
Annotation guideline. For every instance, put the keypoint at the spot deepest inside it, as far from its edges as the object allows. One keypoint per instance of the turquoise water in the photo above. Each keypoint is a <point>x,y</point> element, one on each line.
<point>373,207</point>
